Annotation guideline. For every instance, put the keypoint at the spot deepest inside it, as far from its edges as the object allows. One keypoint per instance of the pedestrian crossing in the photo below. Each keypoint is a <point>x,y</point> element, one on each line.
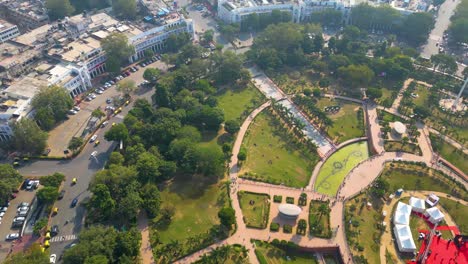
<point>62,238</point>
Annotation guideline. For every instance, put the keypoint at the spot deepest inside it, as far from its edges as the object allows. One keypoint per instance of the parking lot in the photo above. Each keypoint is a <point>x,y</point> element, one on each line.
<point>61,135</point>
<point>7,221</point>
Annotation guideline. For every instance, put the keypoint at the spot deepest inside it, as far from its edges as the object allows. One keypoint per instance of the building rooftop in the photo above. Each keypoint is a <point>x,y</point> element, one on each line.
<point>38,34</point>
<point>30,8</point>
<point>5,25</point>
<point>25,88</point>
<point>11,52</point>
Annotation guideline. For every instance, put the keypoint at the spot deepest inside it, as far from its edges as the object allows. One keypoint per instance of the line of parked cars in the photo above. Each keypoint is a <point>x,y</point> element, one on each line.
<point>153,59</point>
<point>21,212</point>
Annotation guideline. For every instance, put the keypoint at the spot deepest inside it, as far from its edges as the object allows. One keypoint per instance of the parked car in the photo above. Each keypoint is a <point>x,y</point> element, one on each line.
<point>92,95</point>
<point>61,194</point>
<point>93,154</point>
<point>23,204</point>
<point>19,219</point>
<point>108,100</point>
<point>104,123</point>
<point>74,202</point>
<point>22,213</point>
<point>12,236</point>
<point>76,108</point>
<point>99,91</point>
<point>24,208</point>
<point>93,138</point>
<point>72,112</point>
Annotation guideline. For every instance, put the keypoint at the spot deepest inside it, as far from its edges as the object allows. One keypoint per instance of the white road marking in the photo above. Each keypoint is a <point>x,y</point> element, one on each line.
<point>63,238</point>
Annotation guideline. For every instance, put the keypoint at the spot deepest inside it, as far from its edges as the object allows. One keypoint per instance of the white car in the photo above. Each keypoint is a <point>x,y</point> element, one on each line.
<point>24,208</point>
<point>99,91</point>
<point>76,108</point>
<point>94,154</point>
<point>92,95</point>
<point>93,138</point>
<point>4,209</point>
<point>12,236</point>
<point>2,214</point>
<point>19,219</point>
<point>53,258</point>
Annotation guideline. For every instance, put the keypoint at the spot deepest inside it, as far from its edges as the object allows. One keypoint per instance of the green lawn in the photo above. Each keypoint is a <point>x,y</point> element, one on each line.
<point>422,92</point>
<point>319,221</point>
<point>347,123</point>
<point>362,232</point>
<point>416,177</point>
<point>338,165</point>
<point>196,207</point>
<point>235,102</point>
<point>394,146</point>
<point>255,209</point>
<point>270,254</point>
<point>388,117</point>
<point>457,211</point>
<point>450,153</point>
<point>272,157</point>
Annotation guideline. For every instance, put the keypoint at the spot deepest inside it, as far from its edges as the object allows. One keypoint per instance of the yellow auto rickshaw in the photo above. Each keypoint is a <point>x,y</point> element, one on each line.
<point>46,244</point>
<point>127,102</point>
<point>96,143</point>
<point>47,235</point>
<point>113,124</point>
<point>55,211</point>
<point>74,180</point>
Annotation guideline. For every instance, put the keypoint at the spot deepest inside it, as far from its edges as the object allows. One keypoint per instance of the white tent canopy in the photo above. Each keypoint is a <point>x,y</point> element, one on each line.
<point>400,218</point>
<point>417,204</point>
<point>434,214</point>
<point>403,208</point>
<point>404,238</point>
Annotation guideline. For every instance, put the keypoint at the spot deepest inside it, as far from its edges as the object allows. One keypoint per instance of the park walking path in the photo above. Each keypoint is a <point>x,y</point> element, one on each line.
<point>146,252</point>
<point>449,140</point>
<point>359,178</point>
<point>272,91</point>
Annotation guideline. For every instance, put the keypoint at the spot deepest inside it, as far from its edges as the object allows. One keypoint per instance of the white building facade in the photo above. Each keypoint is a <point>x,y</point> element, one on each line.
<point>155,38</point>
<point>74,78</point>
<point>8,31</point>
<point>234,11</point>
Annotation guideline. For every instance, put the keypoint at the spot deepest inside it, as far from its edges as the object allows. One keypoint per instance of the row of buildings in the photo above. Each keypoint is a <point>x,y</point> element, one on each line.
<point>69,53</point>
<point>234,11</point>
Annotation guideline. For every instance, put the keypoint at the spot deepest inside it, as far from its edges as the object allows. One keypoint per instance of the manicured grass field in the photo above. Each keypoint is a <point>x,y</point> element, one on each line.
<point>338,165</point>
<point>422,92</point>
<point>363,231</point>
<point>450,153</point>
<point>416,177</point>
<point>235,102</point>
<point>196,207</point>
<point>386,116</point>
<point>394,146</point>
<point>347,123</point>
<point>270,254</point>
<point>272,157</point>
<point>255,209</point>
<point>319,221</point>
<point>457,211</point>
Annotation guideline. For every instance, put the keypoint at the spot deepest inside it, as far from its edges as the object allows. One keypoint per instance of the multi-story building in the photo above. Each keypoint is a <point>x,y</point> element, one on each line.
<point>26,14</point>
<point>16,59</point>
<point>7,31</point>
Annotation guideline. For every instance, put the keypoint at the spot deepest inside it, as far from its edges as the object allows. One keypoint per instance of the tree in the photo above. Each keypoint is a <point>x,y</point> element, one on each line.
<point>47,195</point>
<point>101,203</point>
<point>151,199</point>
<point>28,137</point>
<point>126,87</point>
<point>117,49</point>
<point>57,9</point>
<point>117,133</point>
<point>416,27</point>
<point>422,111</point>
<point>75,143</point>
<point>98,113</point>
<point>227,216</point>
<point>147,166</point>
<point>209,161</point>
<point>10,179</point>
<point>148,53</point>
<point>53,180</point>
<point>208,36</point>
<point>151,74</point>
<point>374,93</point>
<point>459,30</point>
<point>232,126</point>
<point>124,8</point>
<point>116,158</point>
<point>356,75</point>
<point>32,255</point>
<point>242,155</point>
<point>444,62</point>
<point>52,104</point>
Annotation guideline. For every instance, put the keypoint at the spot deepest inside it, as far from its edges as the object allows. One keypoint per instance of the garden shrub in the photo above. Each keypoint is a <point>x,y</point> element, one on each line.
<point>274,227</point>
<point>277,198</point>
<point>287,229</point>
<point>290,200</point>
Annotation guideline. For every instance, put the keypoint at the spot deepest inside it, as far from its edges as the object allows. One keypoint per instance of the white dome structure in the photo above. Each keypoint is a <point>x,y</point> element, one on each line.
<point>399,128</point>
<point>289,210</point>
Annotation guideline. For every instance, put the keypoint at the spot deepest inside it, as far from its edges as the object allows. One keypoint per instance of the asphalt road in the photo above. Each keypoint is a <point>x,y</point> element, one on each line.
<point>83,167</point>
<point>446,11</point>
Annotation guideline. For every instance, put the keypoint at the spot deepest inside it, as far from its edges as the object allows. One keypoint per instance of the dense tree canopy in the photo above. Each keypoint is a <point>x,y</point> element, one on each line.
<point>32,255</point>
<point>117,49</point>
<point>356,75</point>
<point>10,180</point>
<point>125,8</point>
<point>57,9</point>
<point>459,28</point>
<point>51,104</point>
<point>28,137</point>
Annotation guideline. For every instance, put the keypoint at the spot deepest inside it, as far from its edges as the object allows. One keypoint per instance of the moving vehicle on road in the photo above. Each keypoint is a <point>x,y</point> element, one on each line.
<point>55,211</point>
<point>97,143</point>
<point>74,180</point>
<point>53,258</point>
<point>74,202</point>
<point>12,236</point>
<point>93,138</point>
<point>93,154</point>
<point>54,231</point>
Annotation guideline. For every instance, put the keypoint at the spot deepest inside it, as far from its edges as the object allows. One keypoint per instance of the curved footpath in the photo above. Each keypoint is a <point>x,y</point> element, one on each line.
<point>358,179</point>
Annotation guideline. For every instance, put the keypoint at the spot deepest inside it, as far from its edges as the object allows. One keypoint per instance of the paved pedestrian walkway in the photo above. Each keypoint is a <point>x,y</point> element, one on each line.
<point>146,251</point>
